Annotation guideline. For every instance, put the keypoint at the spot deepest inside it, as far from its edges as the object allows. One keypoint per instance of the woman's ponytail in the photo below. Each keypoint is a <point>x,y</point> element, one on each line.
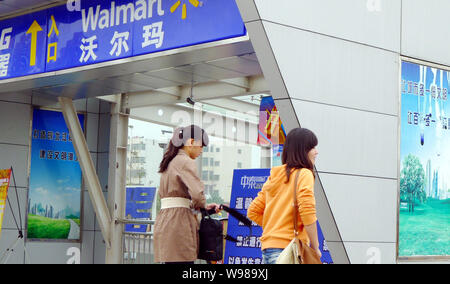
<point>175,144</point>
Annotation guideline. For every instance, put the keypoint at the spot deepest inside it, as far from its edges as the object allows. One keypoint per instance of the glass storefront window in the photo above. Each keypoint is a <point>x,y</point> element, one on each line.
<point>232,146</point>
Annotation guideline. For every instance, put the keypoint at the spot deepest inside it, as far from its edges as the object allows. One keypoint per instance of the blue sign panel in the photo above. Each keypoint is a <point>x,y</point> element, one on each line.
<point>23,43</point>
<point>54,203</point>
<point>88,32</point>
<point>139,206</point>
<point>177,24</point>
<point>246,186</point>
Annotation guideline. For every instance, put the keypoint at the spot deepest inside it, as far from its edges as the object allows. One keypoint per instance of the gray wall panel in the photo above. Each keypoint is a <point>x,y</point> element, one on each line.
<point>15,156</point>
<point>8,222</point>
<point>371,253</point>
<point>336,72</point>
<point>425,33</point>
<point>373,199</point>
<point>50,252</point>
<point>87,247</point>
<point>22,97</point>
<point>8,238</point>
<point>99,248</point>
<point>371,22</point>
<point>14,150</point>
<point>351,141</point>
<point>333,67</point>
<point>15,128</point>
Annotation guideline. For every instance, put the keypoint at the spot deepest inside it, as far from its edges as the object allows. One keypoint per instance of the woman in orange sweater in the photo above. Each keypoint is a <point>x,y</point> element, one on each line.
<point>272,208</point>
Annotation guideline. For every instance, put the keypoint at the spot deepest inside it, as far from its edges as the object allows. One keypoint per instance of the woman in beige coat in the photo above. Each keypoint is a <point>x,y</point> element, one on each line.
<point>181,192</point>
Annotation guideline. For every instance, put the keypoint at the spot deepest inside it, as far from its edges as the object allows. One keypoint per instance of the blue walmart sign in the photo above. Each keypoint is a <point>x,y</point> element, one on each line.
<point>88,32</point>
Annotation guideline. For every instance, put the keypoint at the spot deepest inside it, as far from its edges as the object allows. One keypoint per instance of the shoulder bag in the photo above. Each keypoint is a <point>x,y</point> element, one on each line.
<point>211,238</point>
<point>297,252</point>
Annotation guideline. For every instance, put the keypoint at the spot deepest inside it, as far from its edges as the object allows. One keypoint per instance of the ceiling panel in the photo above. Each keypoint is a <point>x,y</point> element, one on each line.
<point>17,6</point>
<point>151,82</point>
<point>251,56</point>
<point>78,91</point>
<point>179,76</point>
<point>207,70</point>
<point>140,74</point>
<point>238,64</point>
<point>124,86</point>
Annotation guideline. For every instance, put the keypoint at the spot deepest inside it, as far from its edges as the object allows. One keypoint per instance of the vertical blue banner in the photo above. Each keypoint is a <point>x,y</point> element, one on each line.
<point>246,186</point>
<point>54,204</point>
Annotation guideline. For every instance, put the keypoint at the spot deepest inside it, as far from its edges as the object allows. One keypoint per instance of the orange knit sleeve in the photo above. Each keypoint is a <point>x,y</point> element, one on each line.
<point>256,209</point>
<point>305,197</point>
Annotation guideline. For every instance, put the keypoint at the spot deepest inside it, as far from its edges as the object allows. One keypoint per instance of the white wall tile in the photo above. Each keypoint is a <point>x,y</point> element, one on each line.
<point>355,20</point>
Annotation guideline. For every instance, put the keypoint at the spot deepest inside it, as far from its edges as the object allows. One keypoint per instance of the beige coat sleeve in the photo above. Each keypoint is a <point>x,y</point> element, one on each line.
<point>189,177</point>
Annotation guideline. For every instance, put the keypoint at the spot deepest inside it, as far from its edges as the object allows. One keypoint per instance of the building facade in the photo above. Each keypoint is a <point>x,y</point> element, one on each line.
<point>334,67</point>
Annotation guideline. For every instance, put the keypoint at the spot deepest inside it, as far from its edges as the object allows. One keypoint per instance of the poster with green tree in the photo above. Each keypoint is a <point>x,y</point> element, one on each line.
<point>424,209</point>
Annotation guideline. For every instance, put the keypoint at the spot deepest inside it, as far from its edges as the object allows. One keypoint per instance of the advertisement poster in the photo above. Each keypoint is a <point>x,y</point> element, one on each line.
<point>54,204</point>
<point>5,177</point>
<point>424,217</point>
<point>271,130</point>
<point>246,186</point>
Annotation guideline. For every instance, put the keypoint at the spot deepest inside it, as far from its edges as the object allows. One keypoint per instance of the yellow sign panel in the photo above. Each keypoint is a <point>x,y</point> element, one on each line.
<point>4,185</point>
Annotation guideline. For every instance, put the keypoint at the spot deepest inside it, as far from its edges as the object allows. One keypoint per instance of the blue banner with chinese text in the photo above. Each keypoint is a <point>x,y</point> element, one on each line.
<point>246,186</point>
<point>87,32</point>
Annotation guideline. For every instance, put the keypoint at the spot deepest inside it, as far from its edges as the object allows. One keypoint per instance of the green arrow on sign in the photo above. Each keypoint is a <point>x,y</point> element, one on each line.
<point>33,30</point>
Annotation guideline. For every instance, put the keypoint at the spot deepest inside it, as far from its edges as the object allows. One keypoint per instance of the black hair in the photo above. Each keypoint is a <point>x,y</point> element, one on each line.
<point>296,148</point>
<point>180,136</point>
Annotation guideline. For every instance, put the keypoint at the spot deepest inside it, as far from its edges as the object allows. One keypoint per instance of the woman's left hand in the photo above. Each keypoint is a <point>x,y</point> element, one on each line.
<point>214,206</point>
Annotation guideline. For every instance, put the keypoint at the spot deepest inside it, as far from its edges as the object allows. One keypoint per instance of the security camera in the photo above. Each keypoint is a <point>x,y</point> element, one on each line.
<point>190,101</point>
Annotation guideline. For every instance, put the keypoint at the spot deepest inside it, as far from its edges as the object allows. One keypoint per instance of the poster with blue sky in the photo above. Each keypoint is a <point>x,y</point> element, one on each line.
<point>55,179</point>
<point>424,217</point>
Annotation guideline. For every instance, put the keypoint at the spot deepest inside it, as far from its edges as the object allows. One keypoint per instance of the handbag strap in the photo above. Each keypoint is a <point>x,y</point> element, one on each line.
<point>295,204</point>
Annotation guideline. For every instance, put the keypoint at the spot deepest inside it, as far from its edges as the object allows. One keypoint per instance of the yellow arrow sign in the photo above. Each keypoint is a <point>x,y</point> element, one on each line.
<point>33,30</point>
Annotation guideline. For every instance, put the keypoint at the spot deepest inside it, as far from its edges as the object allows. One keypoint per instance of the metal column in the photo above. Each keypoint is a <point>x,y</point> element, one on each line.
<point>117,176</point>
<point>87,167</point>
